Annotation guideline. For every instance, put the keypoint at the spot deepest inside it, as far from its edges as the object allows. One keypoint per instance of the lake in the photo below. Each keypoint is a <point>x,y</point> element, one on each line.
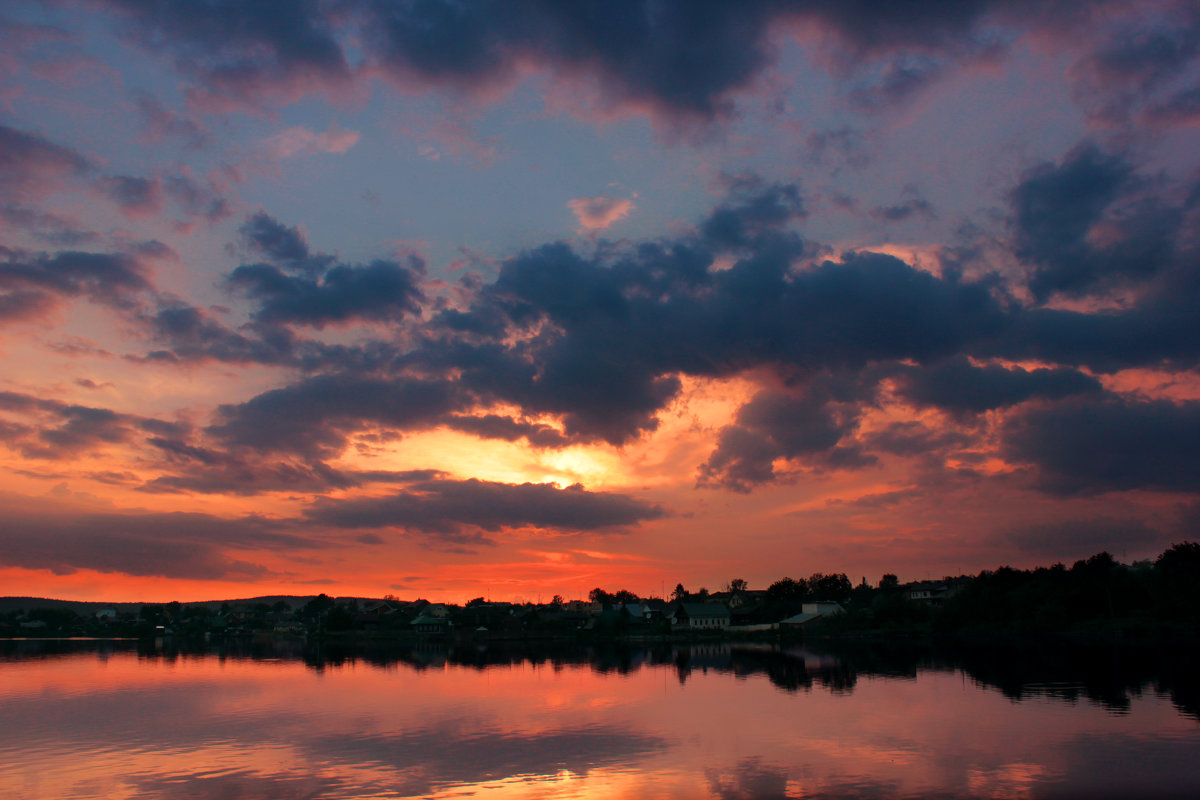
<point>284,720</point>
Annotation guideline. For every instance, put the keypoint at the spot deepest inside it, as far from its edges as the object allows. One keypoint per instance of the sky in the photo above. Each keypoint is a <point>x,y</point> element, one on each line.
<point>514,299</point>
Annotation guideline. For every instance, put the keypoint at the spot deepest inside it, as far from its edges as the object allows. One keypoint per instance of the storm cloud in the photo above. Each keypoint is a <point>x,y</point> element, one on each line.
<point>446,507</point>
<point>172,545</point>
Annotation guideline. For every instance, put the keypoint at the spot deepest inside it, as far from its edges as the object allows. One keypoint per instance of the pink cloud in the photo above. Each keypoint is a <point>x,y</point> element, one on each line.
<point>600,213</point>
<point>300,140</point>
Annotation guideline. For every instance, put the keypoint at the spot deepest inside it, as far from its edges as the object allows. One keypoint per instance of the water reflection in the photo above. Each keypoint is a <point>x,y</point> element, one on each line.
<point>281,719</point>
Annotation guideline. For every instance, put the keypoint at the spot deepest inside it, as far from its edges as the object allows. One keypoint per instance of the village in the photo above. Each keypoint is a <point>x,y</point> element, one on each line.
<point>787,606</point>
<point>1097,597</point>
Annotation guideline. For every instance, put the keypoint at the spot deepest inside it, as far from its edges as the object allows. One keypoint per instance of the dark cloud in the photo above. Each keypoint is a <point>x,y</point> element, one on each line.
<point>682,61</point>
<point>1082,225</point>
<point>135,197</point>
<point>241,51</point>
<point>1142,59</point>
<point>686,60</point>
<point>614,334</point>
<point>21,305</point>
<point>913,204</point>
<point>31,164</point>
<point>317,415</point>
<point>1160,328</point>
<point>901,79</point>
<point>47,226</point>
<point>597,341</point>
<point>53,429</point>
<point>495,426</point>
<point>197,199</point>
<point>911,438</point>
<point>114,279</point>
<point>447,507</point>
<point>56,429</point>
<point>958,386</point>
<point>754,209</point>
<point>162,122</point>
<point>192,334</point>
<point>1181,108</point>
<point>324,291</point>
<point>380,291</point>
<point>812,426</point>
<point>207,471</point>
<point>1098,444</point>
<point>283,246</point>
<point>172,545</point>
<point>1070,538</point>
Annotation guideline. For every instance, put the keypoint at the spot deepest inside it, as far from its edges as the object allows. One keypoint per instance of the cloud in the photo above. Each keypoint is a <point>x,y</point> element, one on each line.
<point>162,123</point>
<point>1105,443</point>
<point>600,213</point>
<point>495,426</point>
<point>279,244</point>
<point>31,165</point>
<point>639,54</point>
<point>1083,225</point>
<point>380,291</point>
<point>753,209</point>
<point>47,226</point>
<point>137,544</point>
<point>594,344</point>
<point>912,205</point>
<point>957,385</point>
<point>448,507</point>
<point>812,426</point>
<point>55,429</point>
<point>192,334</point>
<point>43,281</point>
<point>614,330</point>
<point>240,53</point>
<point>1140,60</point>
<point>299,140</point>
<point>317,415</point>
<point>1073,537</point>
<point>136,197</point>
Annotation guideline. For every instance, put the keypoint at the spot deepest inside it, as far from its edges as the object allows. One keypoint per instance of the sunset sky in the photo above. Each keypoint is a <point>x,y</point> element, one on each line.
<point>511,299</point>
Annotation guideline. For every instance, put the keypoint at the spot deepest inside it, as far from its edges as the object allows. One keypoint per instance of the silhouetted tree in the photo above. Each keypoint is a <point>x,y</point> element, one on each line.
<point>829,587</point>
<point>317,607</point>
<point>889,582</point>
<point>598,595</point>
<point>786,596</point>
<point>736,585</point>
<point>680,593</point>
<point>476,601</point>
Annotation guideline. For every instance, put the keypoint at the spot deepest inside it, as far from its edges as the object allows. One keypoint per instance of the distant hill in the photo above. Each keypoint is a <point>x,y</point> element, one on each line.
<point>8,604</point>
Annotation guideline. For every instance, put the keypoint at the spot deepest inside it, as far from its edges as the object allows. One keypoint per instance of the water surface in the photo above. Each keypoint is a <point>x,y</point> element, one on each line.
<point>119,720</point>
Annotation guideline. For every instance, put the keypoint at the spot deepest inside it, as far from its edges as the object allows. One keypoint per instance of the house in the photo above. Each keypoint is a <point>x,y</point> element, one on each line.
<point>638,611</point>
<point>823,608</point>
<point>582,607</point>
<point>811,611</point>
<point>699,616</point>
<point>429,624</point>
<point>930,592</point>
<point>739,598</point>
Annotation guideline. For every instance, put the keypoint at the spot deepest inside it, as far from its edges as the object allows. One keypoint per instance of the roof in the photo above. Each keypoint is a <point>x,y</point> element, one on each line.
<point>704,609</point>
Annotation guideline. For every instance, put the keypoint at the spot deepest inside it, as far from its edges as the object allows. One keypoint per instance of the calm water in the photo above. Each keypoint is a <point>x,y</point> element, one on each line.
<point>110,720</point>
